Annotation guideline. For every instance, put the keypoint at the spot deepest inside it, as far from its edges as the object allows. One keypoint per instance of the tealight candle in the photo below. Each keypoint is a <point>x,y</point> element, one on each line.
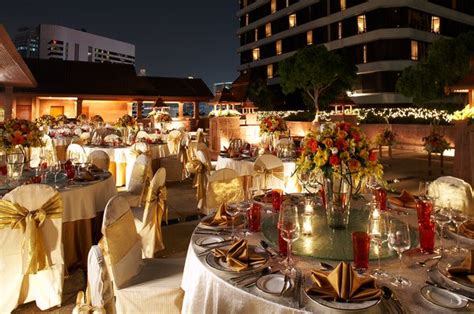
<point>307,224</point>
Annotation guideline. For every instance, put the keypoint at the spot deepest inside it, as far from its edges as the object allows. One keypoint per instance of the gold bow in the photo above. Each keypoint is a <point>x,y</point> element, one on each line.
<point>137,152</point>
<point>263,171</point>
<point>83,304</point>
<point>200,180</point>
<point>14,215</point>
<point>175,144</point>
<point>159,200</point>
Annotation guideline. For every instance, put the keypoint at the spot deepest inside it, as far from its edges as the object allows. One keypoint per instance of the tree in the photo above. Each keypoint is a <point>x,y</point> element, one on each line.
<point>446,63</point>
<point>260,94</point>
<point>318,73</point>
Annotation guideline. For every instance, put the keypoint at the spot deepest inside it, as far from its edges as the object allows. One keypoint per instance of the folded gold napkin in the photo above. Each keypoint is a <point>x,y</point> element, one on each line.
<point>343,284</point>
<point>406,199</point>
<point>465,269</point>
<point>238,257</point>
<point>467,229</point>
<point>220,218</point>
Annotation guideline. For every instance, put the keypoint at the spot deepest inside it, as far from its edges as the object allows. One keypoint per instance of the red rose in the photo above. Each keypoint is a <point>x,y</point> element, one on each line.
<point>313,145</point>
<point>356,136</point>
<point>372,156</point>
<point>341,144</point>
<point>334,160</point>
<point>344,126</point>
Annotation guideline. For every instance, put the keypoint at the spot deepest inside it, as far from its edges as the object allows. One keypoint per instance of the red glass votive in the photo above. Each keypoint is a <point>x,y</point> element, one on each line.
<point>360,249</point>
<point>277,198</point>
<point>254,216</point>
<point>426,231</point>
<point>424,208</point>
<point>381,199</point>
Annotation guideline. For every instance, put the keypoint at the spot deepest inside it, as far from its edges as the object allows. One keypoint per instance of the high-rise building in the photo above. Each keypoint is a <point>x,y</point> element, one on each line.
<point>58,42</point>
<point>381,37</point>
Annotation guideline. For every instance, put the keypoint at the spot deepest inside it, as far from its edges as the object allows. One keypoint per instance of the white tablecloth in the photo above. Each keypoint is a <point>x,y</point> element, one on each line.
<point>245,168</point>
<point>62,140</point>
<point>122,154</point>
<point>84,202</point>
<point>208,290</point>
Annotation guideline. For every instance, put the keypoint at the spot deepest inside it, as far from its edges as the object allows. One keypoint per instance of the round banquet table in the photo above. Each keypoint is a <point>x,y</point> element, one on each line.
<point>120,157</point>
<point>82,218</point>
<point>244,167</point>
<point>208,290</point>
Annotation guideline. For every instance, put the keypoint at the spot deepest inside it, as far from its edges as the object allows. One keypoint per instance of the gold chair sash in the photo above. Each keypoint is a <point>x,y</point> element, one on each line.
<point>266,174</point>
<point>175,143</point>
<point>159,200</point>
<point>118,238</point>
<point>225,191</point>
<point>13,215</point>
<point>200,179</point>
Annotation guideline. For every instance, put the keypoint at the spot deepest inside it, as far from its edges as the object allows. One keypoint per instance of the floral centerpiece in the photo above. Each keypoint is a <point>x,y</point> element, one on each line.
<point>272,125</point>
<point>19,132</point>
<point>62,119</point>
<point>435,143</point>
<point>385,138</point>
<point>97,119</point>
<point>467,113</point>
<point>163,117</point>
<point>126,121</point>
<point>337,157</point>
<point>224,113</point>
<point>45,120</point>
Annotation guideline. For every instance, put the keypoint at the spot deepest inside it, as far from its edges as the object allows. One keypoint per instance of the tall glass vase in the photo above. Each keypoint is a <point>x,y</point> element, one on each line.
<point>15,164</point>
<point>338,193</point>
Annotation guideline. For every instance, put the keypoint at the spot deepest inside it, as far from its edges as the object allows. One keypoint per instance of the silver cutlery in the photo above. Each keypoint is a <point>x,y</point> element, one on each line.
<point>215,243</point>
<point>269,249</point>
<point>209,250</point>
<point>423,263</point>
<point>253,280</point>
<point>452,290</point>
<point>240,278</point>
<point>326,266</point>
<point>298,286</point>
<point>389,295</point>
<point>286,285</point>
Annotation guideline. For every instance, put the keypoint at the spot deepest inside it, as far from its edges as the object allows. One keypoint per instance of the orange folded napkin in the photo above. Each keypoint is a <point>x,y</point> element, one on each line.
<point>220,218</point>
<point>343,284</point>
<point>406,199</point>
<point>238,257</point>
<point>465,269</point>
<point>467,229</point>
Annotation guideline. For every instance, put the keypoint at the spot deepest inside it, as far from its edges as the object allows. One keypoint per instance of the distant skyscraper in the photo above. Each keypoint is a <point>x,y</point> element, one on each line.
<point>59,42</point>
<point>381,37</point>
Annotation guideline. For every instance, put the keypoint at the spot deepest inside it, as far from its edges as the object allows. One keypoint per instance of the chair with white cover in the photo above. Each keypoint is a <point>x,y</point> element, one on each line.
<point>140,286</point>
<point>269,172</point>
<point>148,218</point>
<point>76,152</point>
<point>200,167</point>
<point>47,151</point>
<point>142,135</point>
<point>453,191</point>
<point>224,186</point>
<point>99,296</point>
<point>203,147</point>
<point>31,254</point>
<point>138,182</point>
<point>176,161</point>
<point>136,150</point>
<point>100,159</point>
<point>200,138</point>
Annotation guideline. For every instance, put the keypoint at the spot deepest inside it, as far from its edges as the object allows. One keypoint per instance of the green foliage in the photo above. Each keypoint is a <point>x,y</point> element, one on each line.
<point>320,74</point>
<point>260,94</point>
<point>446,63</point>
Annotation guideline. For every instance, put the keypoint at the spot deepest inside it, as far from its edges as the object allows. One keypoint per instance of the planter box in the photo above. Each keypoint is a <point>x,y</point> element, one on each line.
<point>463,166</point>
<point>222,130</point>
<point>299,128</point>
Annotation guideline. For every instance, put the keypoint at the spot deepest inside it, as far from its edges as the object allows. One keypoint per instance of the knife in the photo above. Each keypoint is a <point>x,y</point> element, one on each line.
<point>455,291</point>
<point>269,249</point>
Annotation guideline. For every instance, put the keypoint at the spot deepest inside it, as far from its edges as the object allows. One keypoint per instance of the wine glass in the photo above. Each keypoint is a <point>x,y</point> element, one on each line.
<point>372,184</point>
<point>423,187</point>
<point>378,235</point>
<point>56,169</point>
<point>457,217</point>
<point>399,241</point>
<point>289,225</point>
<point>441,217</point>
<point>244,207</point>
<point>233,211</point>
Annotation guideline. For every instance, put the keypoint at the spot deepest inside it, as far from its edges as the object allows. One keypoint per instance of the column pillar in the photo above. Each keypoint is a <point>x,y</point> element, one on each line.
<point>8,102</point>
<point>139,109</point>
<point>196,110</point>
<point>79,106</point>
<point>37,103</point>
<point>180,110</point>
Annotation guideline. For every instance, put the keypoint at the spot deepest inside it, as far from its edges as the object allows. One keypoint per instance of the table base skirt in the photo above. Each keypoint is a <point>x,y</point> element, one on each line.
<point>61,152</point>
<point>78,237</point>
<point>119,172</point>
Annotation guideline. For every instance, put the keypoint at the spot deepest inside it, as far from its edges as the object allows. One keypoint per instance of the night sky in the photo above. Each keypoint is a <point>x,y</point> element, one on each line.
<point>172,38</point>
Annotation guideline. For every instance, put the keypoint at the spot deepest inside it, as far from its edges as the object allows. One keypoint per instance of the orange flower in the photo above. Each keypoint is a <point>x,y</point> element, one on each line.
<point>342,134</point>
<point>328,142</point>
<point>372,156</point>
<point>354,165</point>
<point>313,145</point>
<point>334,160</point>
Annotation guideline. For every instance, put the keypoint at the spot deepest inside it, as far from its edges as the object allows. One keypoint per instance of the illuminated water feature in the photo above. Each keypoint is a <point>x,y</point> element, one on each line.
<point>328,243</point>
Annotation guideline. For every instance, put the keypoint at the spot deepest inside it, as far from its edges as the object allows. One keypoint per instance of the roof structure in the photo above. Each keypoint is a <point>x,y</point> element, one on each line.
<point>225,97</point>
<point>58,77</point>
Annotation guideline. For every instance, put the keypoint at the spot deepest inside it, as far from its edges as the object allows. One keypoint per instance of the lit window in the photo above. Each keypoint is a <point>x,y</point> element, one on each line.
<point>268,29</point>
<point>256,34</point>
<point>247,19</point>
<point>309,38</point>
<point>339,30</point>
<point>270,71</point>
<point>278,47</point>
<point>256,54</point>
<point>414,50</point>
<point>292,20</point>
<point>435,24</point>
<point>343,4</point>
<point>273,6</point>
<point>361,24</point>
<point>364,53</point>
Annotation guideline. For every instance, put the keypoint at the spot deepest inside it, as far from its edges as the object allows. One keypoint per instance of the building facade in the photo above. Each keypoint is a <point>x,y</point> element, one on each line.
<point>58,42</point>
<point>380,37</point>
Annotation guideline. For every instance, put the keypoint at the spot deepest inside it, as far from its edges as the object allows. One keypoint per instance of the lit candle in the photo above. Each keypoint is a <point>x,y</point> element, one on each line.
<point>308,207</point>
<point>307,224</point>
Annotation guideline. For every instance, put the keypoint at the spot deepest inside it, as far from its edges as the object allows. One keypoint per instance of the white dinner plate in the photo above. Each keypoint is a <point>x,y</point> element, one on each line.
<point>444,298</point>
<point>272,284</point>
<point>206,240</point>
<point>221,265</point>
<point>462,238</point>
<point>450,260</point>
<point>344,306</point>
<point>400,208</point>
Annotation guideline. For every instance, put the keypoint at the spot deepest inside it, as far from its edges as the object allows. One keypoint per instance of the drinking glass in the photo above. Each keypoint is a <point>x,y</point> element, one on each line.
<point>277,198</point>
<point>289,225</point>
<point>457,217</point>
<point>254,217</point>
<point>360,250</point>
<point>441,217</point>
<point>372,184</point>
<point>244,207</point>
<point>56,169</point>
<point>233,211</point>
<point>399,241</point>
<point>378,235</point>
<point>423,189</point>
<point>426,233</point>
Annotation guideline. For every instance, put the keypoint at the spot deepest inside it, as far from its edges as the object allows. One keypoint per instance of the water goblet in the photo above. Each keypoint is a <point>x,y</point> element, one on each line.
<point>441,217</point>
<point>233,211</point>
<point>423,188</point>
<point>399,241</point>
<point>289,226</point>
<point>244,207</point>
<point>378,230</point>
<point>457,217</point>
